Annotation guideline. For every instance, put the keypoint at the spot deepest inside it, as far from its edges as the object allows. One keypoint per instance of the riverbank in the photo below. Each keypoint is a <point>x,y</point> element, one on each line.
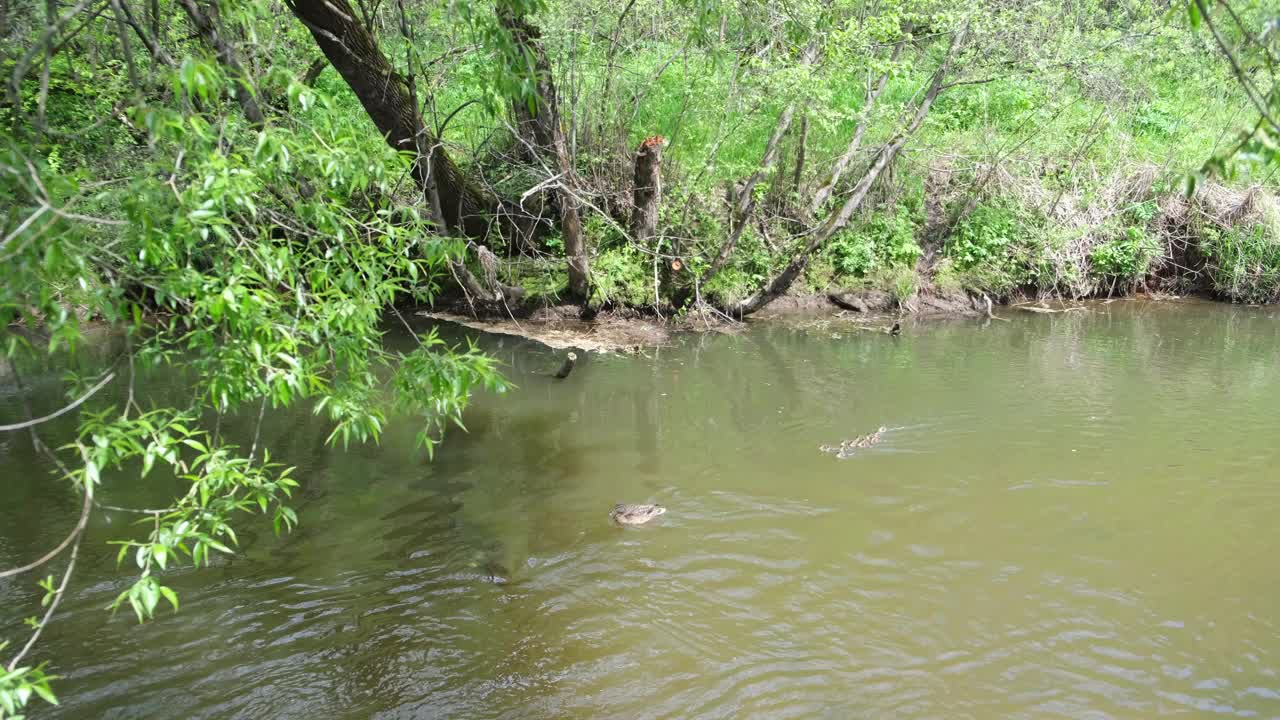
<point>984,237</point>
<point>628,330</point>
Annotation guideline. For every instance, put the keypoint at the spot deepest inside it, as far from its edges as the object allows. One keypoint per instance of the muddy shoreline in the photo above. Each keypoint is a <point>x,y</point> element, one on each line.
<point>628,330</point>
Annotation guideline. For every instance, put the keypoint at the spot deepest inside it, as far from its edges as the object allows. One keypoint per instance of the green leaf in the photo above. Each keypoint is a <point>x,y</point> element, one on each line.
<point>171,596</point>
<point>220,547</point>
<point>42,689</point>
<point>150,596</point>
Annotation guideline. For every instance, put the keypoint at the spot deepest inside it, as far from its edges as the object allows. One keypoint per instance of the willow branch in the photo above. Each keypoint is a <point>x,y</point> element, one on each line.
<point>73,536</point>
<point>1254,95</point>
<point>57,598</point>
<point>78,402</point>
<point>24,63</point>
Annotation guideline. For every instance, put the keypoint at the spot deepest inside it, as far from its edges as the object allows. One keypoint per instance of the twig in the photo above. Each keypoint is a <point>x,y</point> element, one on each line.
<point>36,421</point>
<point>57,598</point>
<point>72,536</point>
<point>1254,95</point>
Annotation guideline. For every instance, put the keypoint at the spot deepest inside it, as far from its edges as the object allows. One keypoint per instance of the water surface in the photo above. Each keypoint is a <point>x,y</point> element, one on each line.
<point>1070,516</point>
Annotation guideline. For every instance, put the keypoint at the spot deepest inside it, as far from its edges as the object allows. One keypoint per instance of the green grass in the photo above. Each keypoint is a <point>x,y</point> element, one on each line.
<point>1068,134</point>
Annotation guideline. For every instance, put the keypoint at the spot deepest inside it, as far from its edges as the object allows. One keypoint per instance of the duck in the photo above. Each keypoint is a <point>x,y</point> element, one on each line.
<point>625,514</point>
<point>846,447</point>
<point>866,441</point>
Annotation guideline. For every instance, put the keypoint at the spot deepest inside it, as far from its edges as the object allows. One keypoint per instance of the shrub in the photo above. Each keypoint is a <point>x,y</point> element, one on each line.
<point>1244,262</point>
<point>886,242</point>
<point>995,249</point>
<point>1127,257</point>
<point>622,275</point>
<point>985,237</point>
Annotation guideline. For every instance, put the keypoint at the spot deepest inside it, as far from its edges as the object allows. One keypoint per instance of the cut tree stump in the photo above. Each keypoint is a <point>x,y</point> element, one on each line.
<point>567,367</point>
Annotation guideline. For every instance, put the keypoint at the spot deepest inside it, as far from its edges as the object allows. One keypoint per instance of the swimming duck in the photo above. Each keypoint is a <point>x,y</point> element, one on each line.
<point>862,441</point>
<point>866,441</point>
<point>625,514</point>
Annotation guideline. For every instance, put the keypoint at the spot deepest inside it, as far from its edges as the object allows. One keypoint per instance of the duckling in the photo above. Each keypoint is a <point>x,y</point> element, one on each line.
<point>625,514</point>
<point>866,441</point>
<point>874,437</point>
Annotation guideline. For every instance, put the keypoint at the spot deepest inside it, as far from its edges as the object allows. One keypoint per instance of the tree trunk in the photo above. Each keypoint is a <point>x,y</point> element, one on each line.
<point>456,204</point>
<point>833,224</point>
<point>354,53</point>
<point>742,200</point>
<point>801,144</point>
<point>157,27</point>
<point>313,71</point>
<point>645,194</point>
<point>842,163</point>
<point>205,21</point>
<point>647,189</point>
<point>540,118</point>
<point>157,53</point>
<point>744,203</point>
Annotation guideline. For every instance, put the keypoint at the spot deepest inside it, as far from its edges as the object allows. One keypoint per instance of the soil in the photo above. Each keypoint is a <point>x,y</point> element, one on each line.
<point>629,330</point>
<point>561,328</point>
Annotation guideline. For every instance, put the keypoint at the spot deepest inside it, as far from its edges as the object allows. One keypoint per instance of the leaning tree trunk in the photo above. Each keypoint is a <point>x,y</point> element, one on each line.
<point>354,53</point>
<point>539,117</point>
<point>205,21</point>
<point>742,200</point>
<point>837,221</point>
<point>842,163</point>
<point>801,145</point>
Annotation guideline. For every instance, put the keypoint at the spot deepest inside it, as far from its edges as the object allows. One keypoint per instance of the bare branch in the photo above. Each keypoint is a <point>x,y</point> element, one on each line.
<point>842,163</point>
<point>837,221</point>
<point>1255,95</point>
<point>57,598</point>
<point>36,421</point>
<point>71,537</point>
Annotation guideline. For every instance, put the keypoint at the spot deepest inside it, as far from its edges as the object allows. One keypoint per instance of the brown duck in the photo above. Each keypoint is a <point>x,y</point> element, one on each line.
<point>625,514</point>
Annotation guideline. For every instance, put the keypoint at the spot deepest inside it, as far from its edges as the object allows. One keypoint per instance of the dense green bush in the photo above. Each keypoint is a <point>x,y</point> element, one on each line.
<point>1243,263</point>
<point>1126,258</point>
<point>886,242</point>
<point>623,275</point>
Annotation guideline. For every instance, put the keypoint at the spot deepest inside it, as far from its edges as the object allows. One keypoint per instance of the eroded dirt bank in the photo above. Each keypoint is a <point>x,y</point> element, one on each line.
<point>626,330</point>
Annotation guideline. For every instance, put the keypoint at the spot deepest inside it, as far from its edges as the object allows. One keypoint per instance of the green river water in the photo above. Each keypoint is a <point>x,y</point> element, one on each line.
<point>1071,515</point>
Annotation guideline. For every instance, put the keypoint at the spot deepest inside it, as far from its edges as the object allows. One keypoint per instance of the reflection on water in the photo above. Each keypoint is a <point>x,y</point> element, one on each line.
<point>1070,516</point>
